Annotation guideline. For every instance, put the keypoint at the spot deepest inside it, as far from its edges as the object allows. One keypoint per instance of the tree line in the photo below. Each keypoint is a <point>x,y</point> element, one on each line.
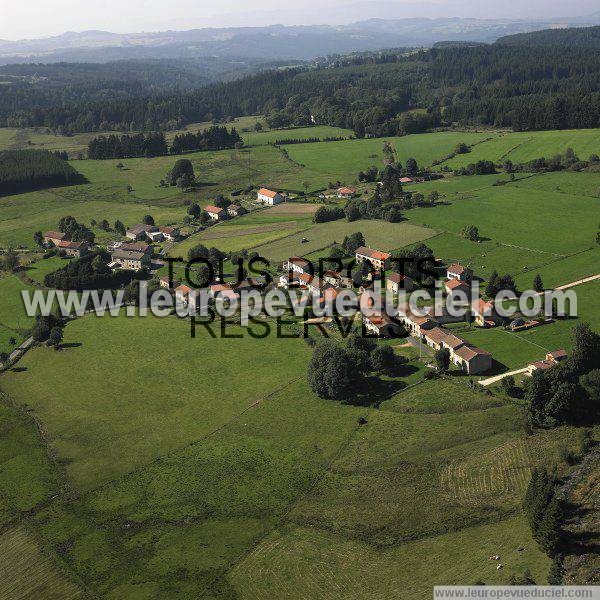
<point>155,143</point>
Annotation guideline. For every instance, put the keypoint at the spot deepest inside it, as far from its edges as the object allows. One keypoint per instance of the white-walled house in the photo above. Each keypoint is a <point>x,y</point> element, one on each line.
<point>457,271</point>
<point>215,213</point>
<point>296,264</point>
<point>270,197</point>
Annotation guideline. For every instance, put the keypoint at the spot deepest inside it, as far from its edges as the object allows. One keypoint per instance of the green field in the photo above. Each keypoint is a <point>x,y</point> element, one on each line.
<point>343,160</point>
<point>525,146</point>
<point>26,572</point>
<point>22,215</point>
<point>378,234</point>
<point>200,484</point>
<point>12,311</point>
<point>533,219</point>
<point>295,133</point>
<point>122,434</point>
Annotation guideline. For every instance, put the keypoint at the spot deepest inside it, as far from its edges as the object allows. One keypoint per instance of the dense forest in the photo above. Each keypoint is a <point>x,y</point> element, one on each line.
<point>584,37</point>
<point>24,170</point>
<point>155,144</point>
<point>508,85</point>
<point>31,91</point>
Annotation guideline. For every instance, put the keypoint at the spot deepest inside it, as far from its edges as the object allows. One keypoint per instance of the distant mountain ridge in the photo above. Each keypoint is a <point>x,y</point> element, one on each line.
<point>274,42</point>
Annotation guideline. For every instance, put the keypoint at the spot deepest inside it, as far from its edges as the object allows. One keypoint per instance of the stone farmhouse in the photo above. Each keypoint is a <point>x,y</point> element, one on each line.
<point>54,237</point>
<point>139,232</point>
<point>73,249</point>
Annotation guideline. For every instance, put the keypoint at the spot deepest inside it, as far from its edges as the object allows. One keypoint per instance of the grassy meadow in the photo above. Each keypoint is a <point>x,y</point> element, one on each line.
<point>180,479</point>
<point>341,160</point>
<point>521,147</point>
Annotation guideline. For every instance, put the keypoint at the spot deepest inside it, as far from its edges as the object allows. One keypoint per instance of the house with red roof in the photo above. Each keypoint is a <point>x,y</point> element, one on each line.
<point>266,196</point>
<point>472,360</point>
<point>377,258</point>
<point>452,286</point>
<point>484,313</point>
<point>346,193</point>
<point>215,213</point>
<point>76,249</point>
<point>457,271</point>
<point>551,360</point>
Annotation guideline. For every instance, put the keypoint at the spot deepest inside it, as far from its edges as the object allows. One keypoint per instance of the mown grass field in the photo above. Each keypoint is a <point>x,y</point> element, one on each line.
<point>525,146</point>
<point>295,133</point>
<point>378,234</point>
<point>26,572</point>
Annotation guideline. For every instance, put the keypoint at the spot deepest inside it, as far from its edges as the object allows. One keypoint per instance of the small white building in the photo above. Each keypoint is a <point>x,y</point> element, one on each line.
<point>269,197</point>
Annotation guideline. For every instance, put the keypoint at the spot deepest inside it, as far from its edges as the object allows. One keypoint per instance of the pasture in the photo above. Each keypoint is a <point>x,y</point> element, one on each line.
<point>201,484</point>
<point>122,430</point>
<point>138,462</point>
<point>378,234</point>
<point>521,147</point>
<point>343,160</point>
<point>531,219</point>
<point>24,214</point>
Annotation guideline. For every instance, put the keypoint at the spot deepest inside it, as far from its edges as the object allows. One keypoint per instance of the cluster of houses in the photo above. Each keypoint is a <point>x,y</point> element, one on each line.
<point>61,241</point>
<point>132,256</point>
<point>186,295</point>
<point>217,213</point>
<point>427,328</point>
<point>153,233</point>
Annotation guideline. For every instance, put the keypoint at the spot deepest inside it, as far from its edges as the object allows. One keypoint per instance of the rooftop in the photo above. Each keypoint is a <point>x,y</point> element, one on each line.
<point>375,254</point>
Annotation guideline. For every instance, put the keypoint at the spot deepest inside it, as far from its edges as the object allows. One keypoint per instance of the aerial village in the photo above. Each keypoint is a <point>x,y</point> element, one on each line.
<point>425,326</point>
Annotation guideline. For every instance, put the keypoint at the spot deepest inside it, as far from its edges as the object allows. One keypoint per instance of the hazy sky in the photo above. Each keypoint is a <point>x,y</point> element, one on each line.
<point>38,18</point>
